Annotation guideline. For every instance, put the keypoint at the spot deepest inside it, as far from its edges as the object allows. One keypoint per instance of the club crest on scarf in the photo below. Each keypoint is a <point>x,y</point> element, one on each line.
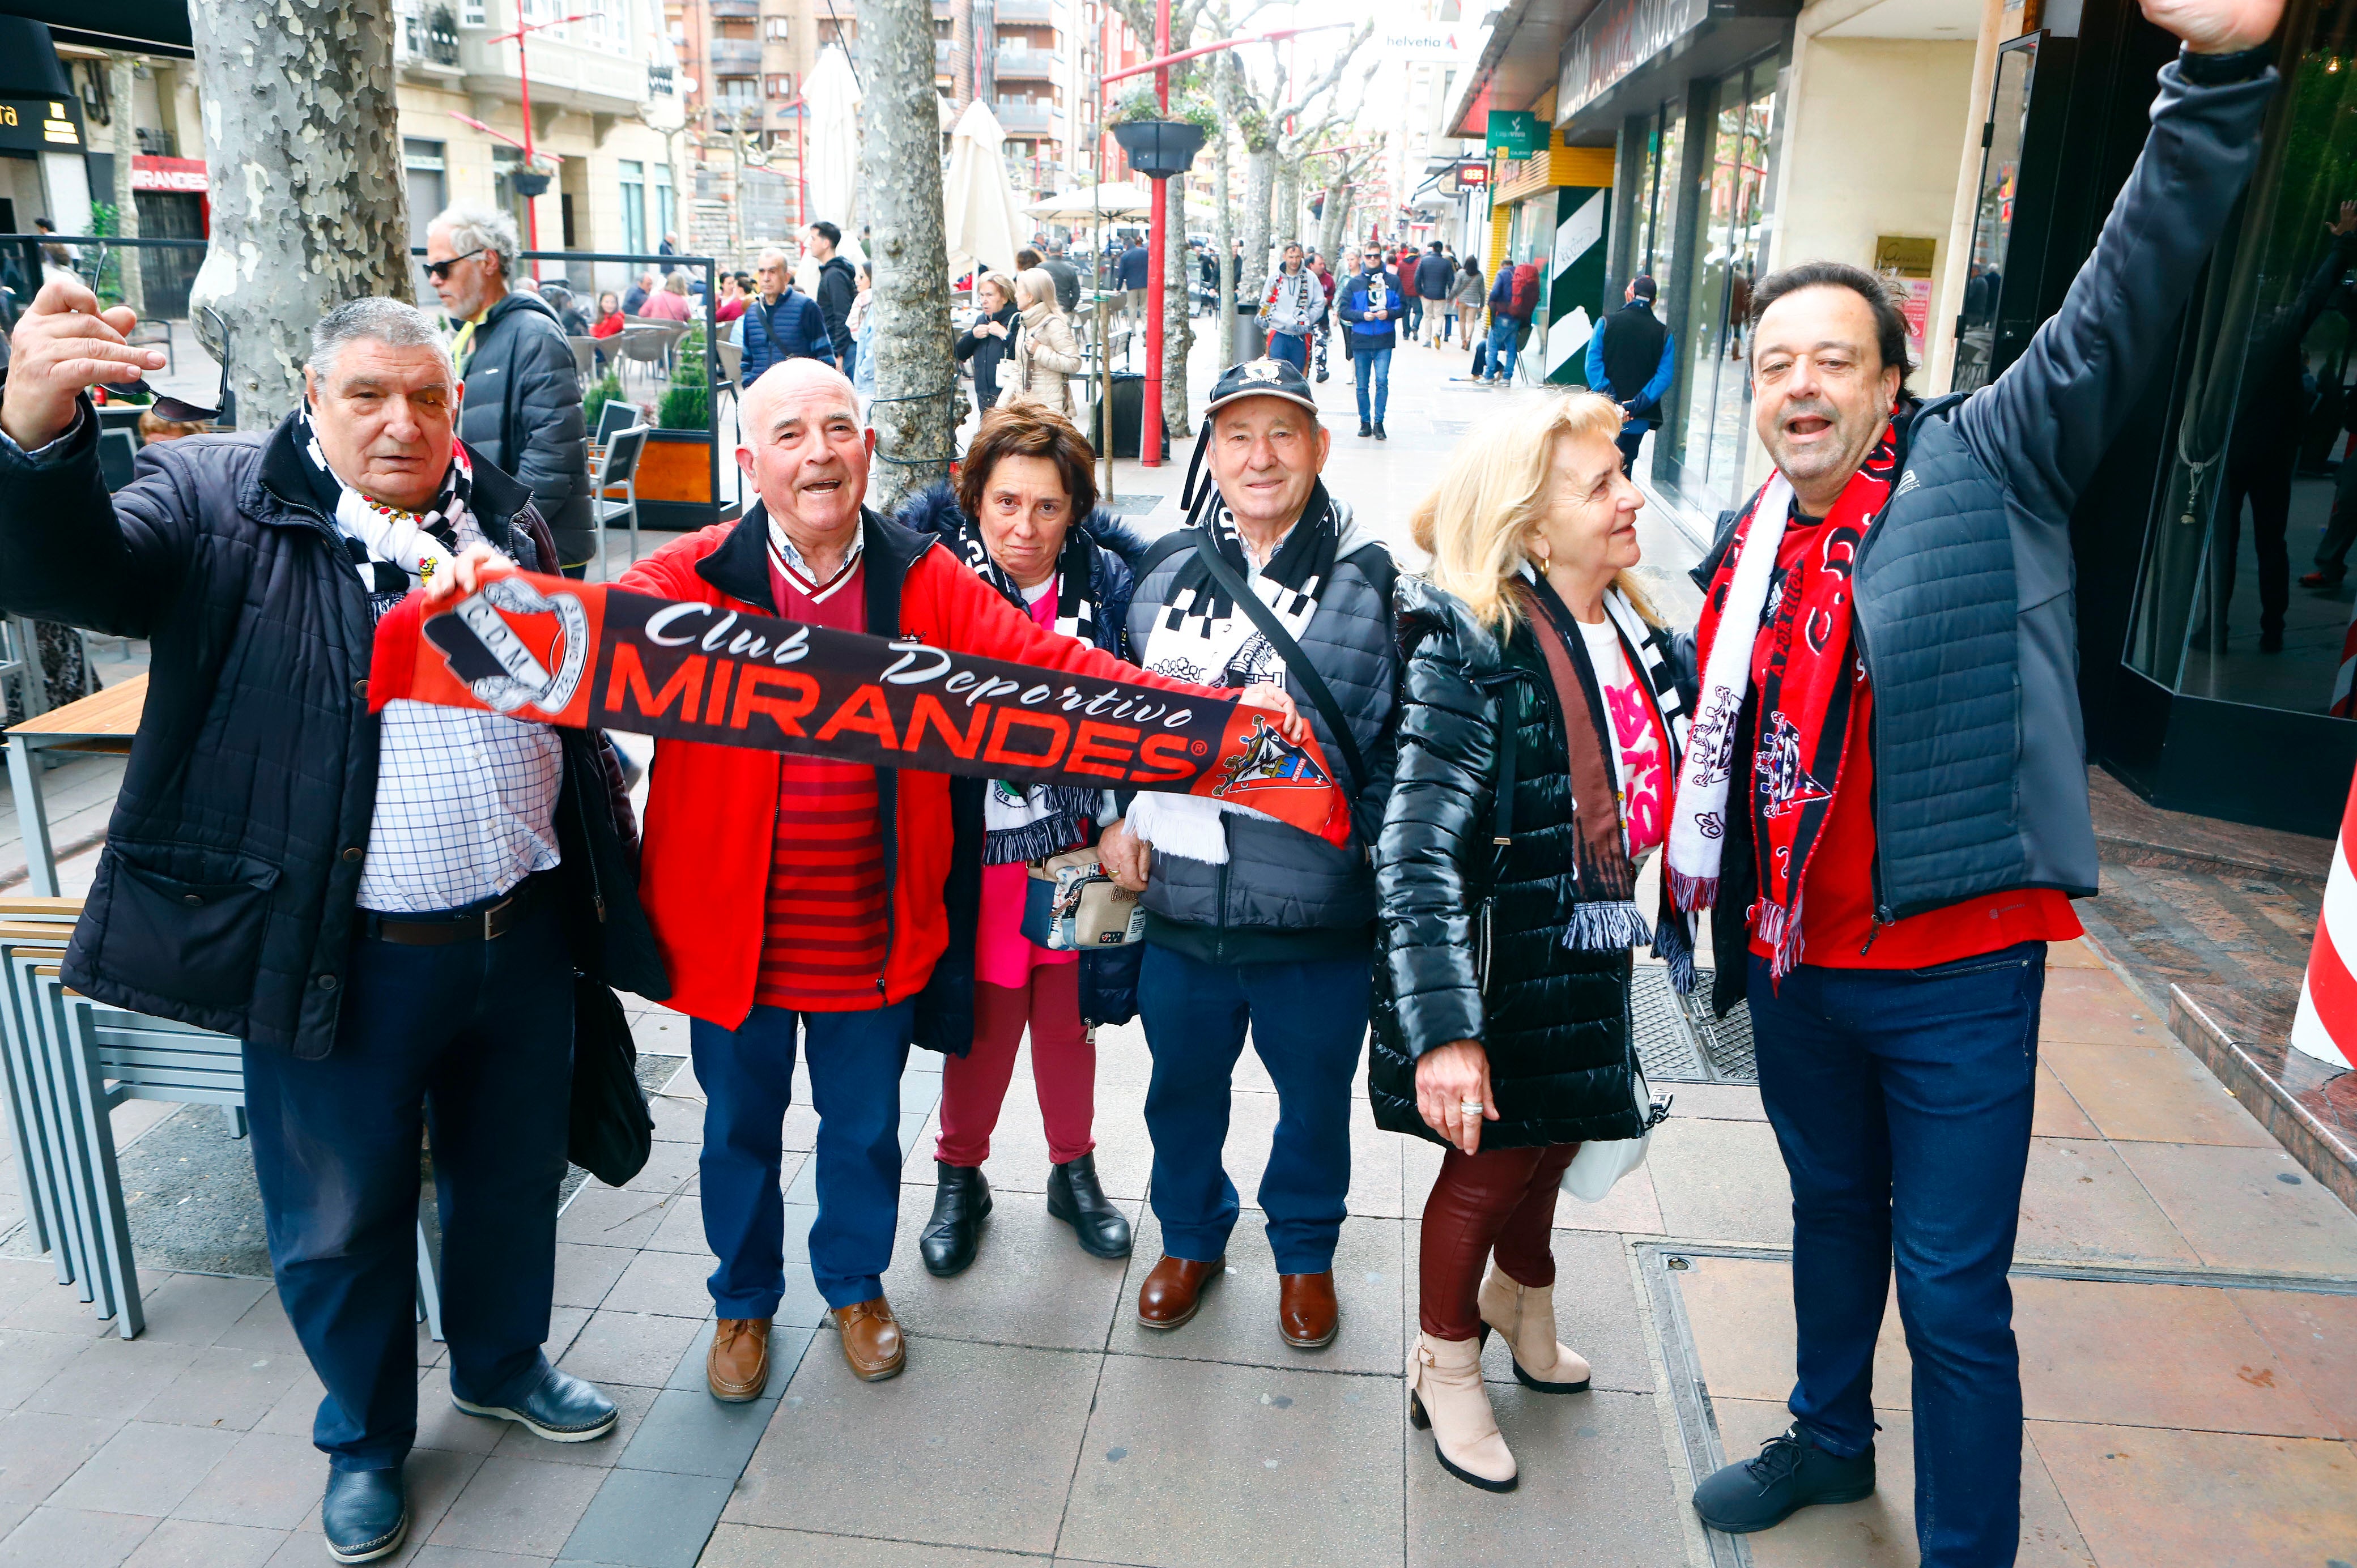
<point>515,646</point>
<point>1269,758</point>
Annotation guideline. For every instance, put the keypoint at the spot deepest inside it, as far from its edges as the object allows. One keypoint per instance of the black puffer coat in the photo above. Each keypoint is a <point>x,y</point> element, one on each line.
<point>224,897</point>
<point>1108,978</point>
<point>522,414</point>
<point>1555,1022</point>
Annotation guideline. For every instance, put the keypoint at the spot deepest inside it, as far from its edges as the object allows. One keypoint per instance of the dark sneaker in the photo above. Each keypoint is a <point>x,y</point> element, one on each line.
<point>1381,435</point>
<point>1365,429</point>
<point>364,1515</point>
<point>1789,1473</point>
<point>561,1408</point>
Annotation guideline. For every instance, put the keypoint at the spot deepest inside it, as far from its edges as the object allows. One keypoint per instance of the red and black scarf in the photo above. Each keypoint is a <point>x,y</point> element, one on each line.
<point>1804,688</point>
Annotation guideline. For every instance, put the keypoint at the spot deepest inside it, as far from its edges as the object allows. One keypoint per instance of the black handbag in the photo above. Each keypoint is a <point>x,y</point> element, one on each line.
<point>611,1131</point>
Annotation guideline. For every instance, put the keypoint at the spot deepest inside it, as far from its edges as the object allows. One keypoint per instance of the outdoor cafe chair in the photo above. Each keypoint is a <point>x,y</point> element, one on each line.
<point>619,466</point>
<point>648,345</point>
<point>27,1128</point>
<point>584,357</point>
<point>616,416</point>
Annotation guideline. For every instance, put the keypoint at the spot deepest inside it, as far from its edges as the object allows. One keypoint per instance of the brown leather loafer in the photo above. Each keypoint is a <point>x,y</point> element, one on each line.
<point>737,1368</point>
<point>871,1340</point>
<point>1306,1311</point>
<point>1173,1293</point>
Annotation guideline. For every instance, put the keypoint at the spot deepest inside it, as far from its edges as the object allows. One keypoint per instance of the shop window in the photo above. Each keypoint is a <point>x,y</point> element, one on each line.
<point>1993,213</point>
<point>2263,485</point>
<point>1710,430</point>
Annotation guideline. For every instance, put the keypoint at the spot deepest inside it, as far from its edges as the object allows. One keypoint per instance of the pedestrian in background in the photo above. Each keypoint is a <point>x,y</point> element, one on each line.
<point>1024,517</point>
<point>1512,1046</point>
<point>634,298</point>
<point>990,338</point>
<point>1889,876</point>
<point>1370,306</point>
<point>1068,277</point>
<point>836,287</point>
<point>669,303</point>
<point>1435,276</point>
<point>394,903</point>
<point>1252,926</point>
<point>780,323</point>
<point>1512,299</point>
<point>732,299</point>
<point>1631,357</point>
<point>1046,351</point>
<point>1289,308</point>
<point>522,414</point>
<point>1468,293</point>
<point>1325,327</point>
<point>863,336</point>
<point>1133,274</point>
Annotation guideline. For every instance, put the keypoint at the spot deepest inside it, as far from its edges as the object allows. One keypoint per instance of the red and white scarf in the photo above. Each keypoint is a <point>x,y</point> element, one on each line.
<point>1804,704</point>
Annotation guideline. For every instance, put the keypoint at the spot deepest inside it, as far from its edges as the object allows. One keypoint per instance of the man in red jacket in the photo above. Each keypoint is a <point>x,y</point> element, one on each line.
<point>797,894</point>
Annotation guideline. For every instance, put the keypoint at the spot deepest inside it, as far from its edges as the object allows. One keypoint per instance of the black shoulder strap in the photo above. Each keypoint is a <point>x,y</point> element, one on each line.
<point>1501,820</point>
<point>1161,550</point>
<point>1290,652</point>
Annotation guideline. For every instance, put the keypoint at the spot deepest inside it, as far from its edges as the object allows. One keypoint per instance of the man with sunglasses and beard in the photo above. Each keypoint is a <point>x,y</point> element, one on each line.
<point>523,412</point>
<point>387,909</point>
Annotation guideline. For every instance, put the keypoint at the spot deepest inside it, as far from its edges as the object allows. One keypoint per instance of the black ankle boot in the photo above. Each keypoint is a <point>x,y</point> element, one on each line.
<point>1074,1198</point>
<point>1789,1473</point>
<point>961,1204</point>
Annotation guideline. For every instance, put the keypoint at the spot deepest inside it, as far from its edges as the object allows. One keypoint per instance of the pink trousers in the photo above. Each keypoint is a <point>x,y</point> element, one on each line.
<point>1064,1067</point>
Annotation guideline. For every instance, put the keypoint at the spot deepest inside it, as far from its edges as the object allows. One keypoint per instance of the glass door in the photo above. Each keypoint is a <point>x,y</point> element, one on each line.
<point>2001,138</point>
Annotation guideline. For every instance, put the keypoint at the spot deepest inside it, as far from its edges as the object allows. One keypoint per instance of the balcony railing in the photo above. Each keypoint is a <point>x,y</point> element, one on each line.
<point>595,77</point>
<point>733,7</point>
<point>745,53</point>
<point>1028,65</point>
<point>1031,117</point>
<point>663,82</point>
<point>428,34</point>
<point>1025,13</point>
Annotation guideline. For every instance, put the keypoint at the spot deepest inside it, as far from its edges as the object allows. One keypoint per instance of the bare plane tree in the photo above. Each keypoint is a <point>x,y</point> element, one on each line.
<point>913,415</point>
<point>304,154</point>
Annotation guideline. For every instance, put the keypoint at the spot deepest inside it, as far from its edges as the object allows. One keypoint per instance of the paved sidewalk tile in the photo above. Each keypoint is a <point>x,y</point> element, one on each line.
<point>681,1230</point>
<point>2148,1095</point>
<point>2149,1499</point>
<point>973,1445</point>
<point>519,1505</point>
<point>758,1546</point>
<point>74,1538</point>
<point>38,1452</point>
<point>1029,1282</point>
<point>686,1431</point>
<point>1595,1311</point>
<point>628,1347</point>
<point>197,1309</point>
<point>2095,1008</point>
<point>670,1284</point>
<point>191,1543</point>
<point>2080,1203</point>
<point>224,1387</point>
<point>1740,1312</point>
<point>267,1482</point>
<point>644,1519</point>
<point>145,1468</point>
<point>585,1273</point>
<point>30,1359</point>
<point>1192,1464</point>
<point>2315,1337</point>
<point>113,1377</point>
<point>1594,1489</point>
<point>2247,1209</point>
<point>1720,1181</point>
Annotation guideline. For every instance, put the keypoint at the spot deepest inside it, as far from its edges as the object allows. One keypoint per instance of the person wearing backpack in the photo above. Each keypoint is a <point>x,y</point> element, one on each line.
<point>1512,300</point>
<point>1632,358</point>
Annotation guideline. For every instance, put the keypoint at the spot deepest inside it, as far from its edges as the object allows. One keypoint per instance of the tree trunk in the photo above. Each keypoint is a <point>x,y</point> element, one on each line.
<point>120,92</point>
<point>1178,329</point>
<point>1260,172</point>
<point>1224,220</point>
<point>1288,200</point>
<point>901,169</point>
<point>1332,221</point>
<point>304,156</point>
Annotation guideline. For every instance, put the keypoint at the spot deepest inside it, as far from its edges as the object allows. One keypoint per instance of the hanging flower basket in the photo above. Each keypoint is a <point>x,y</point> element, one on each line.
<point>530,183</point>
<point>1159,149</point>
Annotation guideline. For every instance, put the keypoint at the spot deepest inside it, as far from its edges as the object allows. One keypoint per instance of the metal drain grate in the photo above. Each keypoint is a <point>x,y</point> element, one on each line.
<point>1132,506</point>
<point>1674,1047</point>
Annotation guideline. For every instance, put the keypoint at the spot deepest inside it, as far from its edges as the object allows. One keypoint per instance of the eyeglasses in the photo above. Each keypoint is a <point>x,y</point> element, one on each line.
<point>438,271</point>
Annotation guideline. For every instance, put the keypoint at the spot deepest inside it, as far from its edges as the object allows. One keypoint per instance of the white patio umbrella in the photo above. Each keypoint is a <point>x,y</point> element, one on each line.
<point>831,159</point>
<point>981,221</point>
<point>1119,199</point>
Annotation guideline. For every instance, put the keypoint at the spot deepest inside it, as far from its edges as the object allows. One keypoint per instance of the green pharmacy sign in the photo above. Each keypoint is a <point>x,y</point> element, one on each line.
<point>1515,132</point>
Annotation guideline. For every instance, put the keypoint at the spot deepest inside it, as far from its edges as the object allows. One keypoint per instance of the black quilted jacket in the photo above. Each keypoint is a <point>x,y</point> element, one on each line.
<point>224,897</point>
<point>1554,1021</point>
<point>522,414</point>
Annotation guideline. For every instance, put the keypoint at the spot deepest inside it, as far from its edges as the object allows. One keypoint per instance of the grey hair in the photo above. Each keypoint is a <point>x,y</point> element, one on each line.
<point>771,255</point>
<point>392,322</point>
<point>474,228</point>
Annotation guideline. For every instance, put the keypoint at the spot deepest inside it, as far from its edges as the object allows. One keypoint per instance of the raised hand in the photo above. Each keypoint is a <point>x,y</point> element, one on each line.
<point>63,345</point>
<point>2216,26</point>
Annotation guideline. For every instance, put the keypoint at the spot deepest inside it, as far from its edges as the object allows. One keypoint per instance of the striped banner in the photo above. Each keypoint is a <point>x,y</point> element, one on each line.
<point>2326,1025</point>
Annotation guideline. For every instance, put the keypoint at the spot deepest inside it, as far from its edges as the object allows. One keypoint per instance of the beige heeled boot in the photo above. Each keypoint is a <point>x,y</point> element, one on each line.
<point>1445,1394</point>
<point>1525,1316</point>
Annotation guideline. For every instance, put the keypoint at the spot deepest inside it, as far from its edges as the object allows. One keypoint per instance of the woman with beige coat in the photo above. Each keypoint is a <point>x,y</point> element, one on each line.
<point>1046,350</point>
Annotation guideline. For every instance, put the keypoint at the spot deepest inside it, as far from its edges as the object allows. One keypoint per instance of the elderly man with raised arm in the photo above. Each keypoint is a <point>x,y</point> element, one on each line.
<point>388,910</point>
<point>799,899</point>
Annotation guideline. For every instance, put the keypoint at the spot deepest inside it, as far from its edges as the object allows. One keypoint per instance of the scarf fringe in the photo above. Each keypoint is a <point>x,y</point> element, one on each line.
<point>1780,928</point>
<point>1607,926</point>
<point>1035,839</point>
<point>1673,945</point>
<point>1691,893</point>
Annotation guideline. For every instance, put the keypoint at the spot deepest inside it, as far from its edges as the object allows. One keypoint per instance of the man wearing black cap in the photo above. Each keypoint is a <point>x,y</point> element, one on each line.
<point>1630,359</point>
<point>1251,923</point>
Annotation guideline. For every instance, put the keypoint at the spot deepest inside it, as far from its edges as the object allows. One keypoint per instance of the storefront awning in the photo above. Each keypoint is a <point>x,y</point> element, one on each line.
<point>1628,54</point>
<point>1518,62</point>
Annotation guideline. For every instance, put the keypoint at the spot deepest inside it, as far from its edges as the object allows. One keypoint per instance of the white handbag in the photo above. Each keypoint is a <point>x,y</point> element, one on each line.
<point>1593,1171</point>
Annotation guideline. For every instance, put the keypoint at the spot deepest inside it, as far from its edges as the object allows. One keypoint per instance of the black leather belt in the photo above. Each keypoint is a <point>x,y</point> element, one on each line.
<point>477,923</point>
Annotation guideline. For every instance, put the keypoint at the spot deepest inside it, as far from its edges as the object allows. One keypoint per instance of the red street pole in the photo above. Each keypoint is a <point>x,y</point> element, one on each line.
<point>523,78</point>
<point>1149,419</point>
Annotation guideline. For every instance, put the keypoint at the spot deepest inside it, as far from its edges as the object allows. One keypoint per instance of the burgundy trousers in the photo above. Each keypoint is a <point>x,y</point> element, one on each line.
<point>1500,1200</point>
<point>1063,1068</point>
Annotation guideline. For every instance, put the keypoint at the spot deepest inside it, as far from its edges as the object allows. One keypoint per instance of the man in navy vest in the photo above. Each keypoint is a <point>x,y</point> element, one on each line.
<point>1630,359</point>
<point>779,323</point>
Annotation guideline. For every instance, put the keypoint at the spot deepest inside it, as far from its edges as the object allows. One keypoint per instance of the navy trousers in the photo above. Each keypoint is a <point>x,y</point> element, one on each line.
<point>748,1075</point>
<point>1901,1101</point>
<point>473,1042</point>
<point>1308,1021</point>
<point>1291,348</point>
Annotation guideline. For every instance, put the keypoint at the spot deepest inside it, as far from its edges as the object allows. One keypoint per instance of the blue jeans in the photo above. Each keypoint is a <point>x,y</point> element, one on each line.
<point>1375,369</point>
<point>474,1040</point>
<point>748,1075</point>
<point>1294,350</point>
<point>1901,1101</point>
<point>1411,314</point>
<point>1308,1021</point>
<point>1503,331</point>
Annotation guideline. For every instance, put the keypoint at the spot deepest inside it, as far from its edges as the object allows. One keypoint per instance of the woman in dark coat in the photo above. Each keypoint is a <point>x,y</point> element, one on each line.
<point>1538,737</point>
<point>991,339</point>
<point>1026,480</point>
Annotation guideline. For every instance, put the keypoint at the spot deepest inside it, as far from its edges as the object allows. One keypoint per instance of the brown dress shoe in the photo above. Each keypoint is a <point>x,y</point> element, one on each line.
<point>1305,1312</point>
<point>1173,1293</point>
<point>871,1340</point>
<point>737,1367</point>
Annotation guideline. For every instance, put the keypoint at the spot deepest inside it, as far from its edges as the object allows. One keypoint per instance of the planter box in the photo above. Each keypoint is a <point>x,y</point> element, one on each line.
<point>675,482</point>
<point>1159,149</point>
